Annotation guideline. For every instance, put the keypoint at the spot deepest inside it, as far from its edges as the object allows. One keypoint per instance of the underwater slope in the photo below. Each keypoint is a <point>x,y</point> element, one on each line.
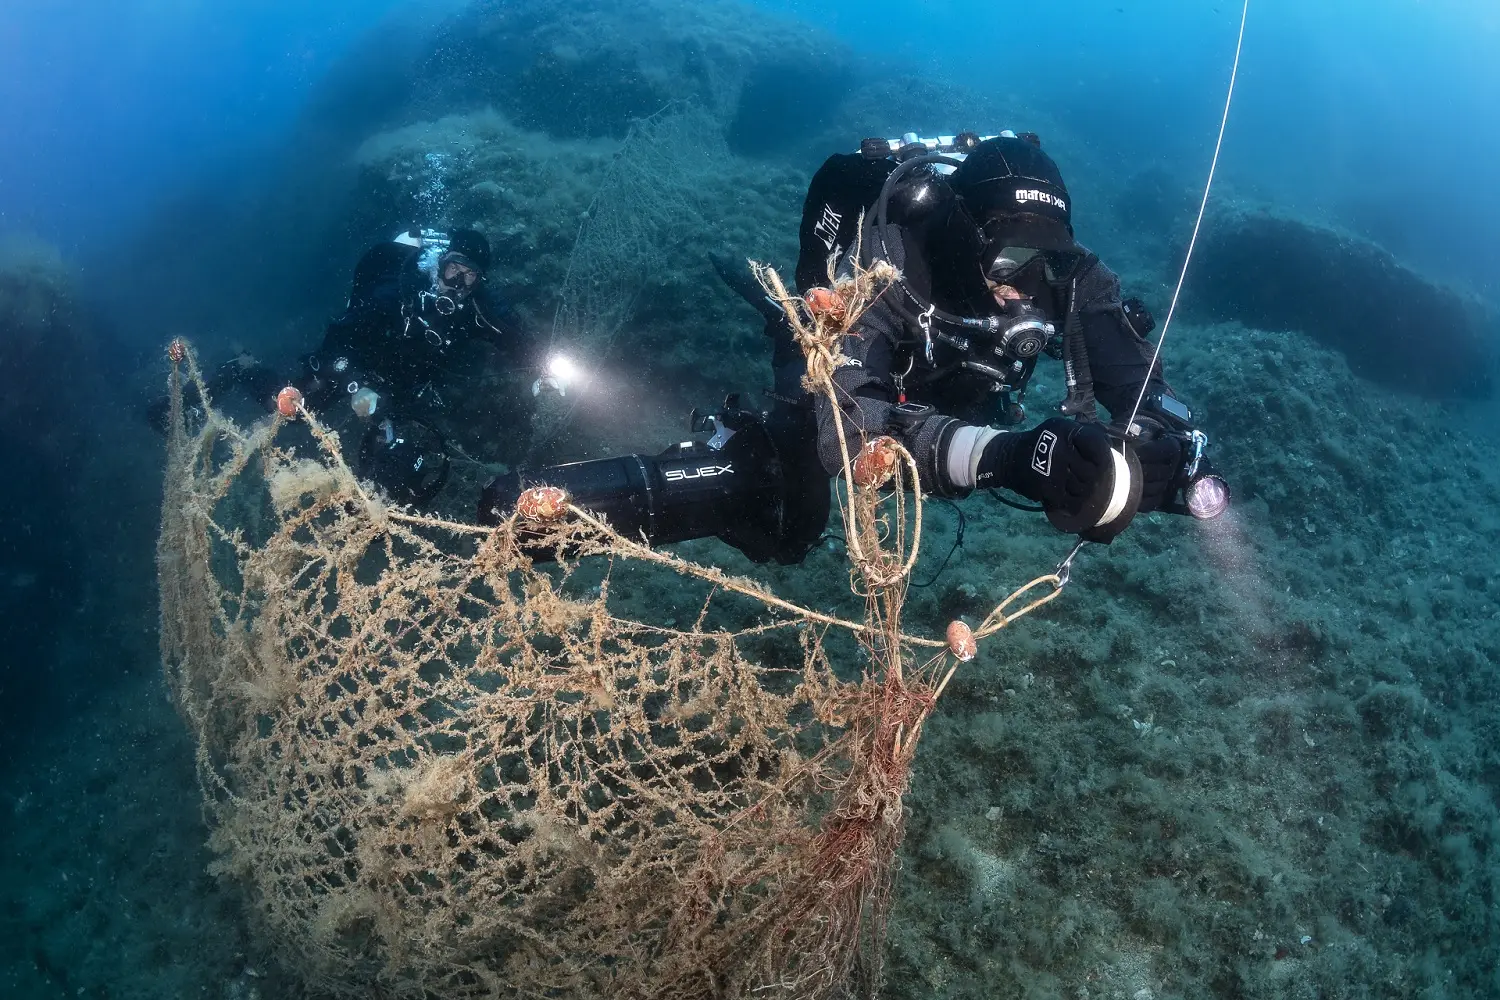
<point>1212,747</point>
<point>587,69</point>
<point>505,118</point>
<point>72,528</point>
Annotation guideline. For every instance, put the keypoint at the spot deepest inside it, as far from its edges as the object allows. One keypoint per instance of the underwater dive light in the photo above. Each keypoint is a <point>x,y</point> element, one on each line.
<point>1206,497</point>
<point>562,368</point>
<point>559,374</point>
<point>1206,494</point>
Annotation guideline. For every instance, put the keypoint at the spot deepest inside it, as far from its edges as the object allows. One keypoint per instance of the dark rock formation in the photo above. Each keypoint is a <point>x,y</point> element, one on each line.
<point>1395,326</point>
<point>50,372</point>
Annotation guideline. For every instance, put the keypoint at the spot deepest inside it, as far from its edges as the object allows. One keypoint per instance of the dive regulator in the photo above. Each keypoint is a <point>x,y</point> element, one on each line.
<point>1005,348</point>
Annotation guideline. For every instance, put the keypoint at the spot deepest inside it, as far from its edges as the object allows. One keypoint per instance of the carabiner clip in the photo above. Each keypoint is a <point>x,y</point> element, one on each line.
<point>1197,448</point>
<point>900,380</point>
<point>924,320</point>
<point>1064,571</point>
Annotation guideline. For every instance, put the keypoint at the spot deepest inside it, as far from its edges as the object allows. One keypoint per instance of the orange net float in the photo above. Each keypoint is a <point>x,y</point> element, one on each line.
<point>289,401</point>
<point>961,641</point>
<point>876,462</point>
<point>826,302</point>
<point>542,504</point>
<point>177,351</point>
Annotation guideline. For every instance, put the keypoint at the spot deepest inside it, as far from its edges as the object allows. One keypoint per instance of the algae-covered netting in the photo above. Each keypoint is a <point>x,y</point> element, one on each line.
<point>443,771</point>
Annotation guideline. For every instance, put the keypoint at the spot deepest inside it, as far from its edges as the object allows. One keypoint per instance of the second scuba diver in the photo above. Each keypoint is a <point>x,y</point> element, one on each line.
<point>385,364</point>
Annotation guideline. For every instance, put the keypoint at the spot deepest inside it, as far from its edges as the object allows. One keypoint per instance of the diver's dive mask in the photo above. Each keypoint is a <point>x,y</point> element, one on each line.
<point>456,276</point>
<point>1004,347</point>
<point>1027,267</point>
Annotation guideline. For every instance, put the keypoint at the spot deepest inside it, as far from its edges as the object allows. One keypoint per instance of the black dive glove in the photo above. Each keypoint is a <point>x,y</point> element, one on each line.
<point>1058,464</point>
<point>1162,463</point>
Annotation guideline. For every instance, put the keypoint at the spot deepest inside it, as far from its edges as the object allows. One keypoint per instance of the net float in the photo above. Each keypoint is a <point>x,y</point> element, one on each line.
<point>961,641</point>
<point>542,504</point>
<point>876,462</point>
<point>825,302</point>
<point>289,401</point>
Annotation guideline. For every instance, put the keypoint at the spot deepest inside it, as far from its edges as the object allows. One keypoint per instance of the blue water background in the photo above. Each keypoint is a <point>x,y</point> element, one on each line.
<point>1378,114</point>
<point>107,107</point>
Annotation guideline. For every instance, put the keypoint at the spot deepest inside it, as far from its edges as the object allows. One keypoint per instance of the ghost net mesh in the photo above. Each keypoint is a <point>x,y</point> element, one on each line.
<point>653,191</point>
<point>443,771</point>
<point>660,184</point>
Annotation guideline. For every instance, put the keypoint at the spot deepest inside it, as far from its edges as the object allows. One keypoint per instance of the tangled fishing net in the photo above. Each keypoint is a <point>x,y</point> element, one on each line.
<point>444,771</point>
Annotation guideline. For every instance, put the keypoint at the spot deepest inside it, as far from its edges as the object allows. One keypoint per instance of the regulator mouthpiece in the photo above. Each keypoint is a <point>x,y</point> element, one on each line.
<point>1207,497</point>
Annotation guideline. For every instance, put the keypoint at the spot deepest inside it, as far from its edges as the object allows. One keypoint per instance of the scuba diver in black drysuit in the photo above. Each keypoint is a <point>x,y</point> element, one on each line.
<point>415,302</point>
<point>991,279</point>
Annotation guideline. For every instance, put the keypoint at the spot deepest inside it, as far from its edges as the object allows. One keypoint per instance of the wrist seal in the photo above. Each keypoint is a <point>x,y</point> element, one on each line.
<point>962,450</point>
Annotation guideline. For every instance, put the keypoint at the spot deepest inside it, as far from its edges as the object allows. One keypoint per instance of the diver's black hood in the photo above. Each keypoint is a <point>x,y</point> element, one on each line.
<point>1016,193</point>
<point>472,247</point>
<point>953,252</point>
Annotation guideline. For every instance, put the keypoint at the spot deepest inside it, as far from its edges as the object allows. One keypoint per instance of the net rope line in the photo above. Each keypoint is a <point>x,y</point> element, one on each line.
<point>443,775</point>
<point>1198,223</point>
<point>649,190</point>
<point>242,449</point>
<point>824,344</point>
<point>819,330</point>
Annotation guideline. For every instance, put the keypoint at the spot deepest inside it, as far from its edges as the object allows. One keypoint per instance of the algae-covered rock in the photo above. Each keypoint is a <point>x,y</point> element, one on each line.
<point>49,359</point>
<point>590,68</point>
<point>1394,325</point>
<point>526,192</point>
<point>50,419</point>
